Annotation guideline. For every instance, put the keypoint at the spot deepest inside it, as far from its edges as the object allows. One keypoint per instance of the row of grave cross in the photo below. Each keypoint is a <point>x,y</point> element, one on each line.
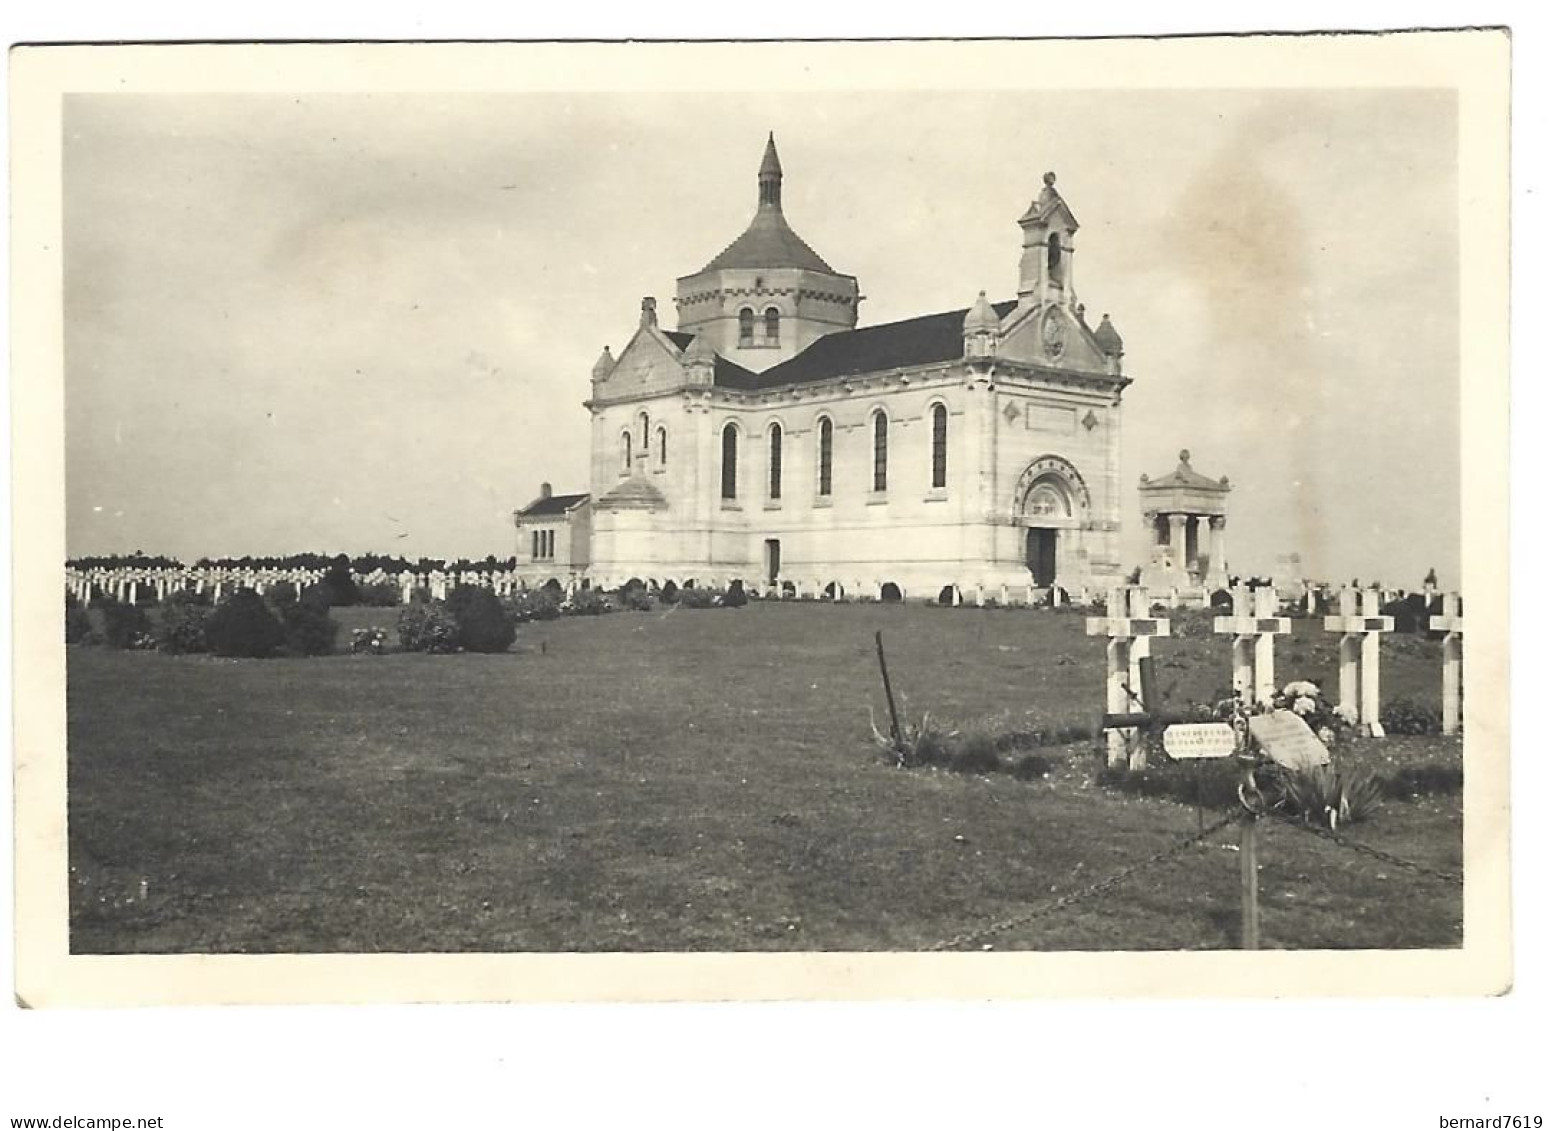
<point>130,585</point>
<point>1254,625</point>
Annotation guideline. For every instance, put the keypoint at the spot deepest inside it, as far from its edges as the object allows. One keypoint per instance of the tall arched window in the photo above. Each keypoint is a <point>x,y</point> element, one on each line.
<point>772,326</point>
<point>880,451</point>
<point>746,327</point>
<point>826,448</point>
<point>662,446</point>
<point>1053,258</point>
<point>730,462</point>
<point>939,446</point>
<point>775,484</point>
<point>625,451</point>
<point>641,418</point>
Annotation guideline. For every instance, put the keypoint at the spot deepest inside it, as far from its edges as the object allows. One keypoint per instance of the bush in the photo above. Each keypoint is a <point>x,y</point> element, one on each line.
<point>310,631</point>
<point>340,585</point>
<point>368,641</point>
<point>78,625</point>
<point>974,753</point>
<point>533,604</point>
<point>694,597</point>
<point>1328,796</point>
<point>1218,780</point>
<point>379,594</point>
<point>589,603</point>
<point>428,627</point>
<point>924,744</point>
<point>1407,716</point>
<point>669,593</point>
<point>282,593</point>
<point>242,625</point>
<point>125,626</point>
<point>182,628</point>
<point>735,598</point>
<point>636,600</point>
<point>483,624</point>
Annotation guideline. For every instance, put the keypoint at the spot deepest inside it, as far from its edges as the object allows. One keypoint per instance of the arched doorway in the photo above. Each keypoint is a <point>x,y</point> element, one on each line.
<point>1040,555</point>
<point>1049,503</point>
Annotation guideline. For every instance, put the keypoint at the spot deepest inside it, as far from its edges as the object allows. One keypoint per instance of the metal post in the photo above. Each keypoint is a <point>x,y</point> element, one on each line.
<point>1249,883</point>
<point>889,695</point>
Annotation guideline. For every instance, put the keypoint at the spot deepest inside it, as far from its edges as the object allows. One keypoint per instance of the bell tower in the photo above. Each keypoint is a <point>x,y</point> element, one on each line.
<point>1045,267</point>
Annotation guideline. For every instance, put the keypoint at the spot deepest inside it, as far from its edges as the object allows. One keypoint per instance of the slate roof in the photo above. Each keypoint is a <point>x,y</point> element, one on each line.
<point>769,241</point>
<point>554,505</point>
<point>892,345</point>
<point>635,492</point>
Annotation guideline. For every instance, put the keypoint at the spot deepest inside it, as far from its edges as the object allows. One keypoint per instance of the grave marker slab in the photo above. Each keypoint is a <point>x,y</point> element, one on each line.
<point>1288,740</point>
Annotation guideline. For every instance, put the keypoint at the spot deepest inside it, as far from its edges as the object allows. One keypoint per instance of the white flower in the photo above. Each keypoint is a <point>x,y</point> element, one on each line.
<point>1326,735</point>
<point>1301,687</point>
<point>1303,705</point>
<point>1348,715</point>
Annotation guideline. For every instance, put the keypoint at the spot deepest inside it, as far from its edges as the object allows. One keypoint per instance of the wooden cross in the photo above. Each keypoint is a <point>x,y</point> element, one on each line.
<point>1129,628</point>
<point>1360,689</point>
<point>1255,626</point>
<point>1453,625</point>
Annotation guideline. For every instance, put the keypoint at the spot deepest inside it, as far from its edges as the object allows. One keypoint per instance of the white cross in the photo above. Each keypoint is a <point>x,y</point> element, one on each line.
<point>1453,625</point>
<point>1360,689</point>
<point>1255,626</point>
<point>1129,628</point>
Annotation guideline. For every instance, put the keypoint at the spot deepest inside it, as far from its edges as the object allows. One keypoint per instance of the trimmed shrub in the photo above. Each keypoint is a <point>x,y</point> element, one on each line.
<point>1407,716</point>
<point>669,593</point>
<point>78,625</point>
<point>125,626</point>
<point>379,594</point>
<point>340,585</point>
<point>182,627</point>
<point>693,597</point>
<point>591,603</point>
<point>483,625</point>
<point>735,597</point>
<point>310,631</point>
<point>533,604</point>
<point>636,600</point>
<point>242,625</point>
<point>427,627</point>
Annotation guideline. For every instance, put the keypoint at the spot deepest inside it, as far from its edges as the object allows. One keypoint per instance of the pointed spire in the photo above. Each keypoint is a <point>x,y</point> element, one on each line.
<point>981,318</point>
<point>770,175</point>
<point>604,365</point>
<point>1108,338</point>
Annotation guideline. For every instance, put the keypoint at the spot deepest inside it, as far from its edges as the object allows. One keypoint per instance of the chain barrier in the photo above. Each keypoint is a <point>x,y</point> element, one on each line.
<point>1368,850</point>
<point>1068,899</point>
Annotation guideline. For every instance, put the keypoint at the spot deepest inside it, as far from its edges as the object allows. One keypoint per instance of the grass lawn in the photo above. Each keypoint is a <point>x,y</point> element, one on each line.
<point>684,780</point>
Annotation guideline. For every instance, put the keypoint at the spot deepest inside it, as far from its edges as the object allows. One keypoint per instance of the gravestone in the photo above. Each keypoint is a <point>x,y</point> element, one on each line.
<point>1288,740</point>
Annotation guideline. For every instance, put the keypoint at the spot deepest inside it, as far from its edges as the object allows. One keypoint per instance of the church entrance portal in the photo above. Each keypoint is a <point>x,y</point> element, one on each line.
<point>1040,555</point>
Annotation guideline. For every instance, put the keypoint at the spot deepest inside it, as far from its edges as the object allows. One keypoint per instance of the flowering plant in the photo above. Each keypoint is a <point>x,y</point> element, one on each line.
<point>370,641</point>
<point>1331,724</point>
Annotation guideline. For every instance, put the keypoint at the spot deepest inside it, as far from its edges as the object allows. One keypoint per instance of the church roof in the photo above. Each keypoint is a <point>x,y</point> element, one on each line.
<point>891,345</point>
<point>769,242</point>
<point>555,504</point>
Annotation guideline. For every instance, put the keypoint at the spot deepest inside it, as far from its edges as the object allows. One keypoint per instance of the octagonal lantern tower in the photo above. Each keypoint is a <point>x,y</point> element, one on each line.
<point>1185,512</point>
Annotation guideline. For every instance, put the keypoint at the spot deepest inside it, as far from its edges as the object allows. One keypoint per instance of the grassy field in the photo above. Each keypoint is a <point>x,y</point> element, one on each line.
<point>684,780</point>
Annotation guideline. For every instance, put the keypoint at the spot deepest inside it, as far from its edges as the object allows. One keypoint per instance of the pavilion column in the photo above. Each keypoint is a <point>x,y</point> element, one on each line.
<point>1219,557</point>
<point>1204,540</point>
<point>1177,540</point>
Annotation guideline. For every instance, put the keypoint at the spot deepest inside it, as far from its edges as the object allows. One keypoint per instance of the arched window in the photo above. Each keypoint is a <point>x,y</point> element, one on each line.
<point>880,451</point>
<point>1053,258</point>
<point>730,462</point>
<point>746,327</point>
<point>625,451</point>
<point>662,446</point>
<point>775,484</point>
<point>772,326</point>
<point>826,448</point>
<point>641,418</point>
<point>939,446</point>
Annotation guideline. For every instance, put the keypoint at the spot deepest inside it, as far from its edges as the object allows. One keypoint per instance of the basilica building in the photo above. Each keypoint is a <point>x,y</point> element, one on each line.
<point>769,439</point>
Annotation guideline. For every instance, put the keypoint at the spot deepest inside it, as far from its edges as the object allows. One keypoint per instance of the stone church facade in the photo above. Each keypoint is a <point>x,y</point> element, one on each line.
<point>770,440</point>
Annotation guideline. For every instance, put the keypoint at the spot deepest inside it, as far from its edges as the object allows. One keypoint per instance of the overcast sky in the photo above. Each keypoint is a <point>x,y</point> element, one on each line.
<point>367,322</point>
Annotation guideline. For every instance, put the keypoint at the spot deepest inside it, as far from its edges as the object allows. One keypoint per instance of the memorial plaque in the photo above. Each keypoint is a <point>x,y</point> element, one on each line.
<point>1199,740</point>
<point>1288,740</point>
